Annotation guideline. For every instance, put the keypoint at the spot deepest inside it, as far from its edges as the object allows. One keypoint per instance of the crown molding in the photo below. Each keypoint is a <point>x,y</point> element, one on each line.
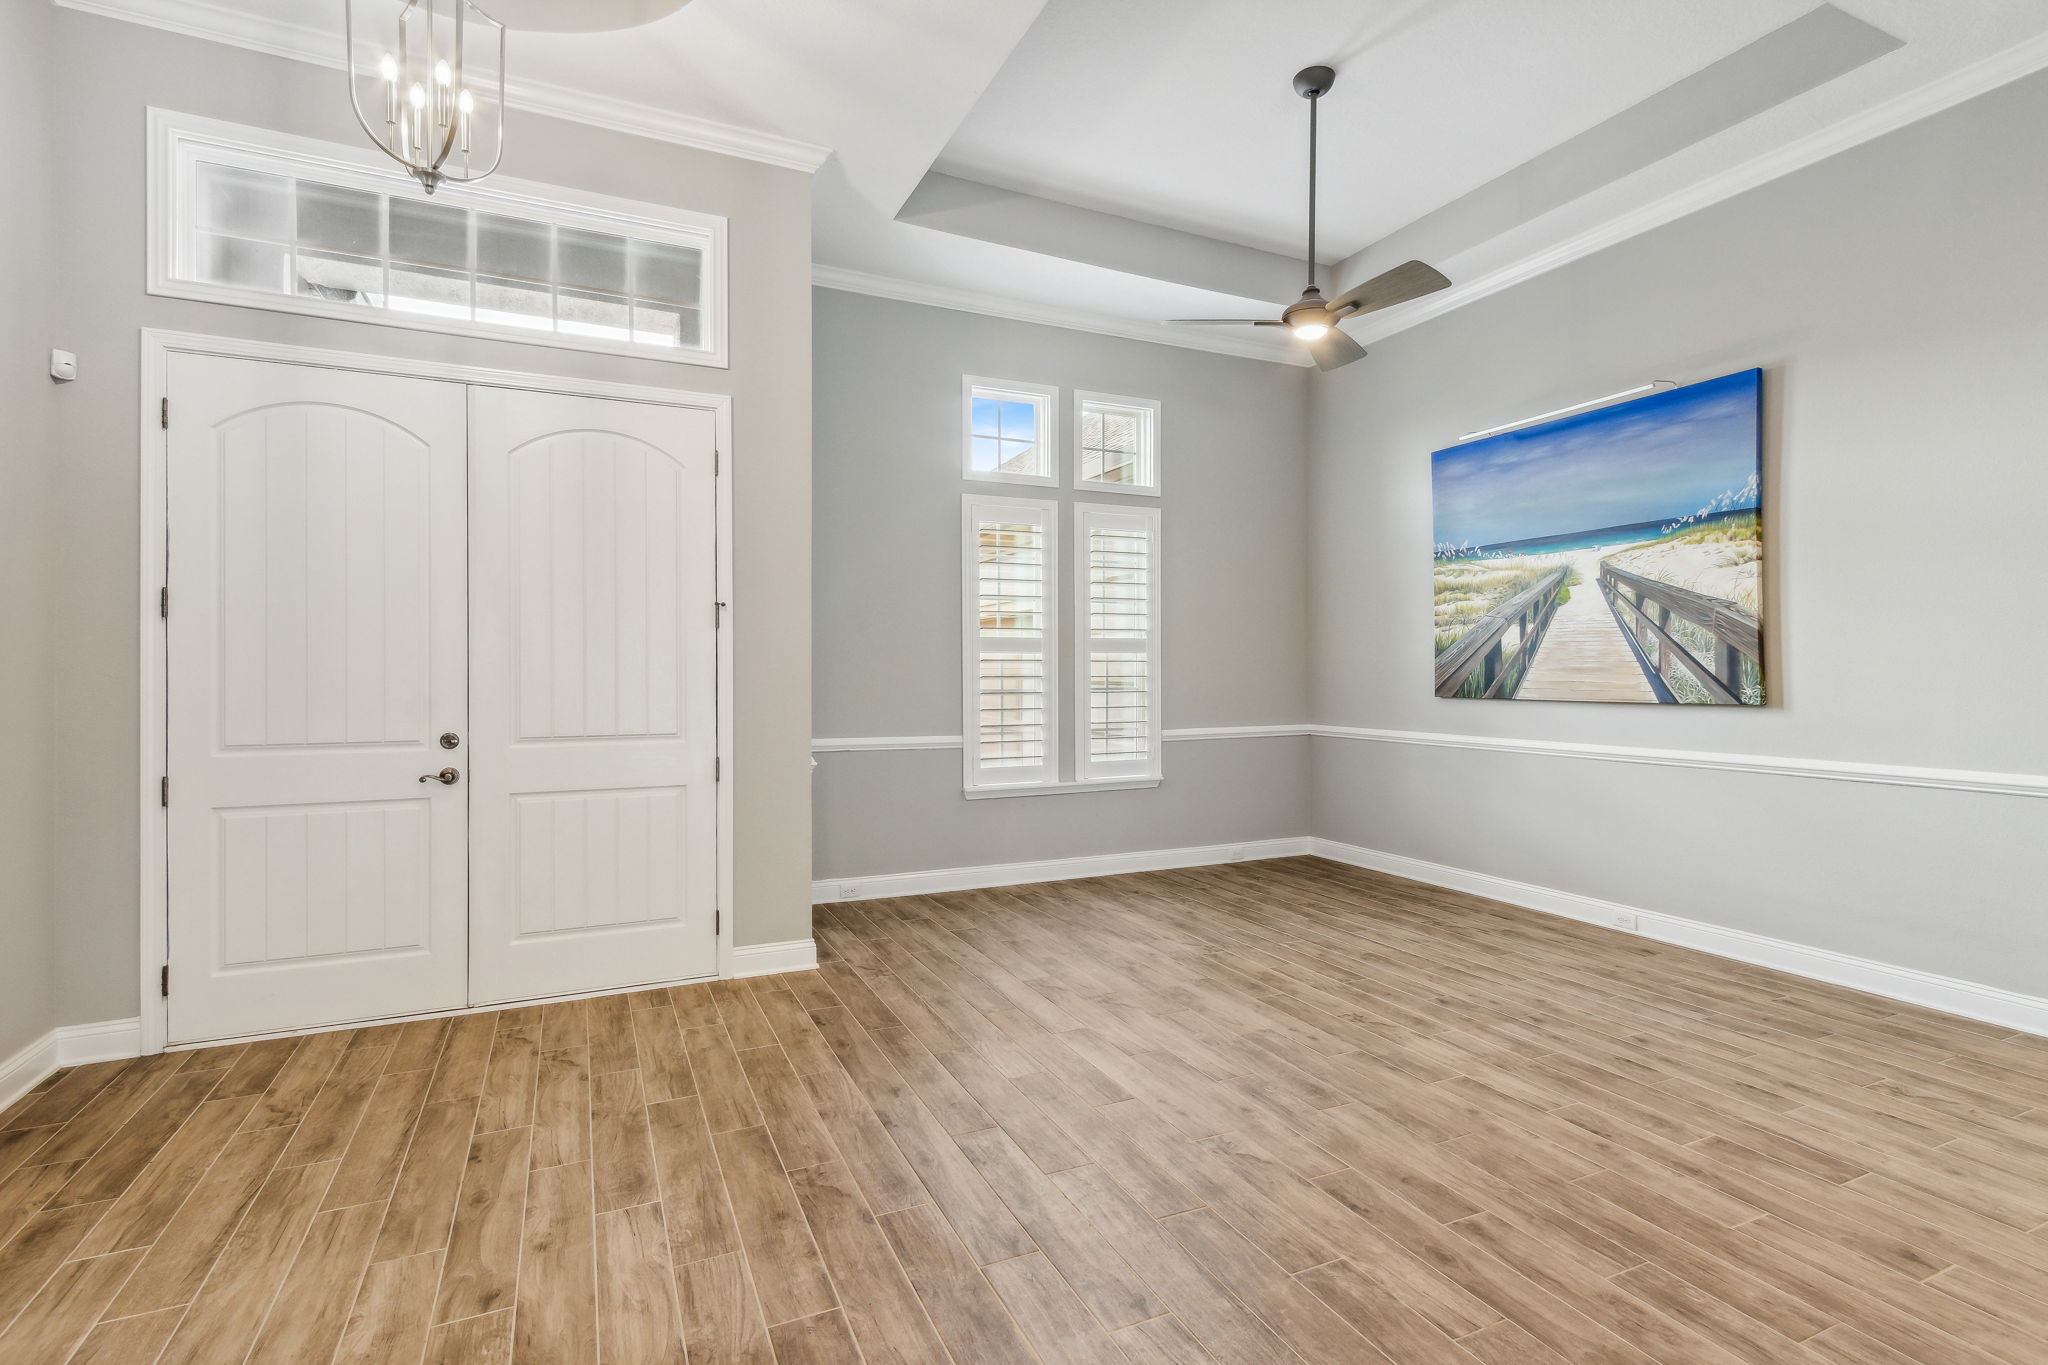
<point>300,43</point>
<point>1016,310</point>
<point>1979,78</point>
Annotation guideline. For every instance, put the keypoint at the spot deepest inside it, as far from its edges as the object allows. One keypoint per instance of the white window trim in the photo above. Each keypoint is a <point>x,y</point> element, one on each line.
<point>1088,770</point>
<point>1045,397</point>
<point>176,139</point>
<point>1153,422</point>
<point>1006,781</point>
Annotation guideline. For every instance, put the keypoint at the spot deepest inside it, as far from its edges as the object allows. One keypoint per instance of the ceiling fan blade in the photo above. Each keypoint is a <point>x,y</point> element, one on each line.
<point>1224,322</point>
<point>1402,283</point>
<point>1333,348</point>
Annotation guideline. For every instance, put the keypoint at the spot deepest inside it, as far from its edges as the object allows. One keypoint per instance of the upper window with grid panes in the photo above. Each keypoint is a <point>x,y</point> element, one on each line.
<point>1116,443</point>
<point>255,218</point>
<point>1008,434</point>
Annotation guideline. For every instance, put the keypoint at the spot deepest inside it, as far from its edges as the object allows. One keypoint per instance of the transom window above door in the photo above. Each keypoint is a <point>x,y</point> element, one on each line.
<point>242,215</point>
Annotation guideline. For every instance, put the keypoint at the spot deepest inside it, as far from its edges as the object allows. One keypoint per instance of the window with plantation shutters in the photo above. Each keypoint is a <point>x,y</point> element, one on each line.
<point>1116,643</point>
<point>1011,716</point>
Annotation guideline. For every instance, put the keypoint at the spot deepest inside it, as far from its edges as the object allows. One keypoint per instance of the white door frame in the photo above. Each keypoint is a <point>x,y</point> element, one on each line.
<point>157,348</point>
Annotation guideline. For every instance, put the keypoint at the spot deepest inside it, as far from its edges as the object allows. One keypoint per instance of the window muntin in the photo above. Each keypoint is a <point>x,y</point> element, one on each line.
<point>1010,548</point>
<point>1008,431</point>
<point>250,217</point>
<point>1116,642</point>
<point>1116,443</point>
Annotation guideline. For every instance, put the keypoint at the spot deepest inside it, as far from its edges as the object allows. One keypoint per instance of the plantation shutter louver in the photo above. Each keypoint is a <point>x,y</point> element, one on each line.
<point>1116,652</point>
<point>1011,720</point>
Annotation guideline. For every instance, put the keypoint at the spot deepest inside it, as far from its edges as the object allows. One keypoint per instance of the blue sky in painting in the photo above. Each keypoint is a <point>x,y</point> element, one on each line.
<point>1663,455</point>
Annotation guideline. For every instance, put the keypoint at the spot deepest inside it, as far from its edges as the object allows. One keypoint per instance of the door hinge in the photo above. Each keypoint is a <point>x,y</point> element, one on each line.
<point>163,414</point>
<point>717,922</point>
<point>718,770</point>
<point>164,793</point>
<point>163,603</point>
<point>717,458</point>
<point>165,980</point>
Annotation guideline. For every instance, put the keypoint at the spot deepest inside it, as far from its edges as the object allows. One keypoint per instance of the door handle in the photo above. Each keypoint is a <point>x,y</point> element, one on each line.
<point>447,777</point>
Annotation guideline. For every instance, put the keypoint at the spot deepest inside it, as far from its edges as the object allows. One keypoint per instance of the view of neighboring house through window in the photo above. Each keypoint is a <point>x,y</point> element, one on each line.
<point>1009,431</point>
<point>1117,443</point>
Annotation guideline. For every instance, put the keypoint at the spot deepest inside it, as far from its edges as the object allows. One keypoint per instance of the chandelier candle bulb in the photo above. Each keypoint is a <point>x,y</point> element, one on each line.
<point>388,68</point>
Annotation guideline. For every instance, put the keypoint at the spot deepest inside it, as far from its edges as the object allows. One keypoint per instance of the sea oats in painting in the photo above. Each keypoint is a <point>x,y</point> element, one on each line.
<point>1616,555</point>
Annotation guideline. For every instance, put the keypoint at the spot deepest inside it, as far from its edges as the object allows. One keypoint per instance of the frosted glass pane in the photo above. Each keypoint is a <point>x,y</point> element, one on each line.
<point>341,279</point>
<point>514,303</point>
<point>332,218</point>
<point>244,203</point>
<point>591,260</point>
<point>664,272</point>
<point>594,315</point>
<point>241,264</point>
<point>512,248</point>
<point>428,234</point>
<point>658,324</point>
<point>442,293</point>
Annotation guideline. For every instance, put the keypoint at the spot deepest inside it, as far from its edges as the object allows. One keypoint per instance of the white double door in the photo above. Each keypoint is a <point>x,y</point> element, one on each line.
<point>381,582</point>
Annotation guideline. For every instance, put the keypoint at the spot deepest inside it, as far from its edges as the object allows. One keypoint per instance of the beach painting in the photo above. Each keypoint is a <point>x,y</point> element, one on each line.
<point>1616,555</point>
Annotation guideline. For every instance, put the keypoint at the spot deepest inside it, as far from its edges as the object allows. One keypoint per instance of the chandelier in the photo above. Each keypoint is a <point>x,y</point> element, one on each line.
<point>437,84</point>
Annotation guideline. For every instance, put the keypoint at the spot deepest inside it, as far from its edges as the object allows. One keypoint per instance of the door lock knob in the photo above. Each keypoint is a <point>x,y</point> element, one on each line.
<point>451,740</point>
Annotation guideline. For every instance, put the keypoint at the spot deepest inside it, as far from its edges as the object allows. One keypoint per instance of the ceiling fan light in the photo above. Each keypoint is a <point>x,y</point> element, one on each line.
<point>1312,331</point>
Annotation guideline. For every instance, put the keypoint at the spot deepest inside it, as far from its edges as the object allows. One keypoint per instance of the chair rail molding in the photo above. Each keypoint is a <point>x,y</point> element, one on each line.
<point>1833,770</point>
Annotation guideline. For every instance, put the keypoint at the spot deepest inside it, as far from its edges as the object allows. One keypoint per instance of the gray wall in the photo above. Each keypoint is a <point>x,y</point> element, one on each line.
<point>887,594</point>
<point>1897,296</point>
<point>28,459</point>
<point>112,72</point>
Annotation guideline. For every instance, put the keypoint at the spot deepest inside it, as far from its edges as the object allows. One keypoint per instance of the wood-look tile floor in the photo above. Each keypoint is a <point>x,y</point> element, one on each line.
<point>1272,1112</point>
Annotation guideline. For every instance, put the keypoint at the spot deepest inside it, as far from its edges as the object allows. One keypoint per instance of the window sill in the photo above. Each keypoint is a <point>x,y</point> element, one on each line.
<point>1063,788</point>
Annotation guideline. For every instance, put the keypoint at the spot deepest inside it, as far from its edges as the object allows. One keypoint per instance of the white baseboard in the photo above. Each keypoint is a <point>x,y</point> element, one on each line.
<point>1049,870</point>
<point>1972,1000</point>
<point>70,1046</point>
<point>769,959</point>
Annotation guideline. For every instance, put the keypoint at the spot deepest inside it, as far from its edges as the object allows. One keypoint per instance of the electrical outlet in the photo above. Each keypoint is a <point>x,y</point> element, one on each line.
<point>1627,922</point>
<point>848,890</point>
<point>1237,853</point>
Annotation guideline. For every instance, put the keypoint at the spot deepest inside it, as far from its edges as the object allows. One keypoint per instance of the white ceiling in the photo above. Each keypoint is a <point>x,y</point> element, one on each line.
<point>1182,112</point>
<point>1179,113</point>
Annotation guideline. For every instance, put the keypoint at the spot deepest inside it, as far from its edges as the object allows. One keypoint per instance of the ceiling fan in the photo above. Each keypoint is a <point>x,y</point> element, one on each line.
<point>1309,317</point>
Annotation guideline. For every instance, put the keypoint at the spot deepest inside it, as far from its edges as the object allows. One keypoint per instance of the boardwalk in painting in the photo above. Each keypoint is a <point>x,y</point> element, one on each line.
<point>1584,656</point>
